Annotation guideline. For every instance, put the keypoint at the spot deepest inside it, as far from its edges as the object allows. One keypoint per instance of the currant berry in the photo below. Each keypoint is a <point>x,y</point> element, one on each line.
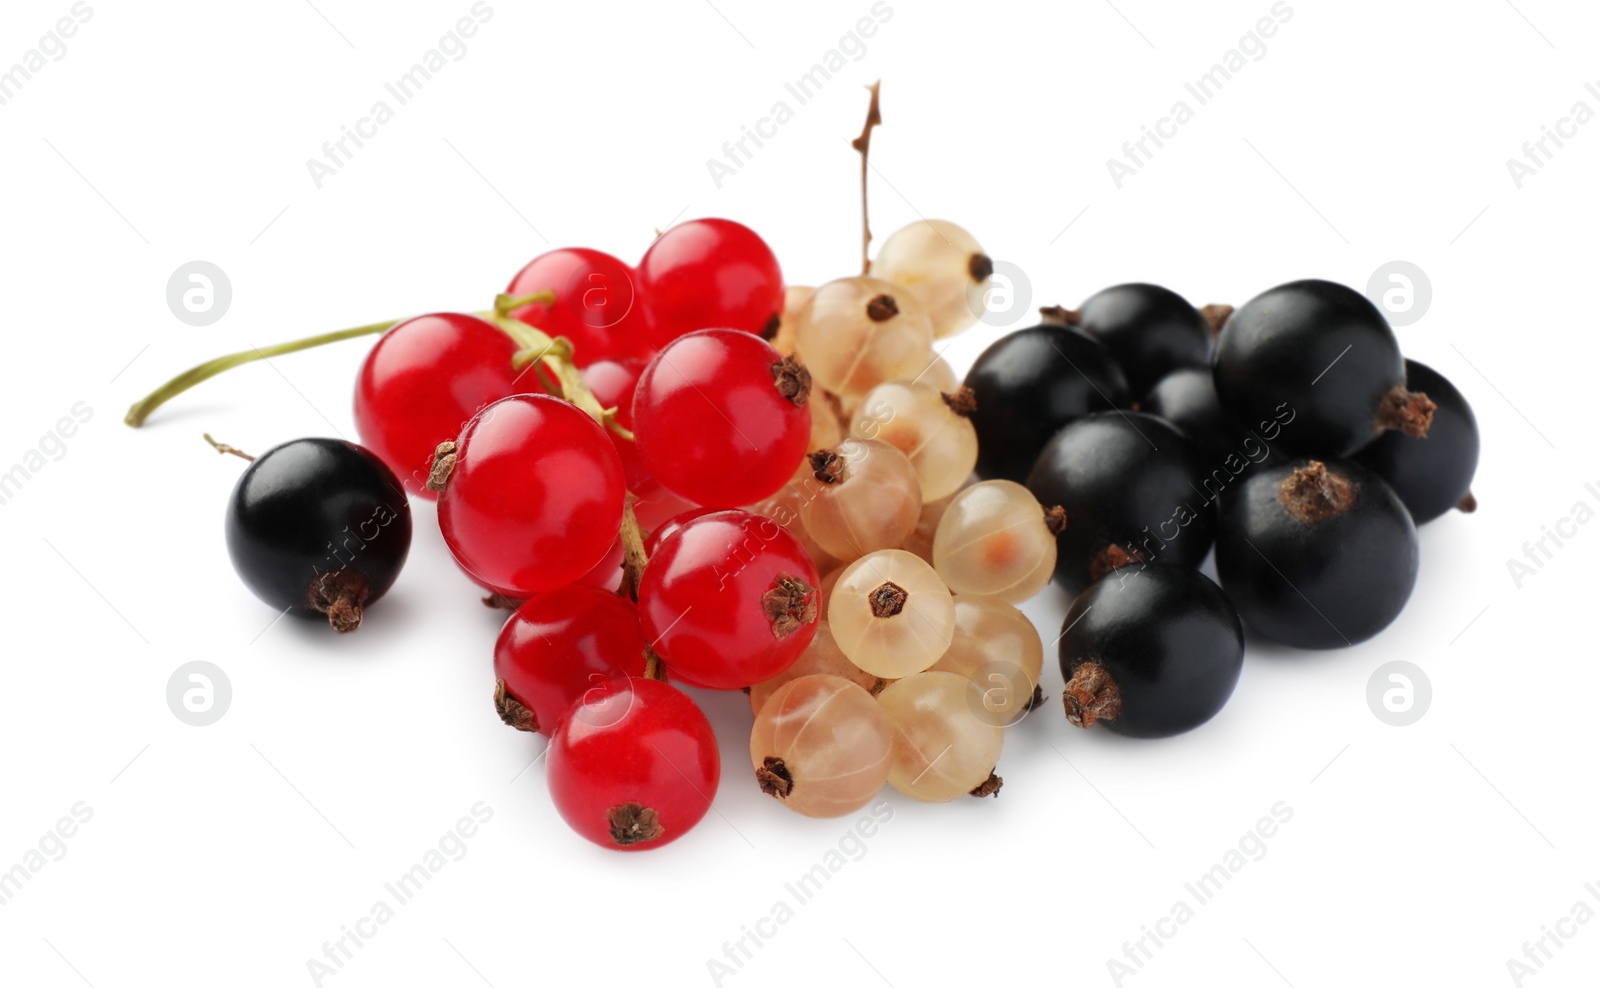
<point>721,417</point>
<point>826,429</point>
<point>710,272</point>
<point>596,306</point>
<point>821,658</point>
<point>1150,652</point>
<point>1150,331</point>
<point>1130,486</point>
<point>943,266</point>
<point>319,527</point>
<point>998,649</point>
<point>890,614</point>
<point>422,381</point>
<point>943,749</point>
<point>862,496</point>
<point>672,526</point>
<point>940,376</point>
<point>994,539</point>
<point>532,495</point>
<point>559,645</point>
<point>633,765</point>
<point>856,333</point>
<point>1030,384</point>
<point>1187,398</point>
<point>933,430</point>
<point>785,506</point>
<point>730,600</point>
<point>920,542</point>
<point>1317,555</point>
<point>1434,474</point>
<point>613,383</point>
<point>1324,352</point>
<point>825,594</point>
<point>821,746</point>
<point>795,298</point>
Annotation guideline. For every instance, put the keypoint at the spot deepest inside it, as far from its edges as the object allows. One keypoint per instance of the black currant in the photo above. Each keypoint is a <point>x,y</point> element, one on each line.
<point>1150,651</point>
<point>1149,330</point>
<point>1317,555</point>
<point>1130,485</point>
<point>1433,474</point>
<point>1029,384</point>
<point>1187,398</point>
<point>1324,352</point>
<point>319,526</point>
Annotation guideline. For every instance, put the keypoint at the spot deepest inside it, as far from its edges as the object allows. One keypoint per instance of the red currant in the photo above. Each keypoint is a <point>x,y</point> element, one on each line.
<point>535,497</point>
<point>557,647</point>
<point>422,381</point>
<point>633,765</point>
<point>721,419</point>
<point>672,526</point>
<point>596,305</point>
<point>730,600</point>
<point>613,383</point>
<point>607,573</point>
<point>707,273</point>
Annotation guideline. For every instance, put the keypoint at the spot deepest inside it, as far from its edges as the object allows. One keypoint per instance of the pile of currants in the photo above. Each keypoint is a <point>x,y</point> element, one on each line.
<point>689,473</point>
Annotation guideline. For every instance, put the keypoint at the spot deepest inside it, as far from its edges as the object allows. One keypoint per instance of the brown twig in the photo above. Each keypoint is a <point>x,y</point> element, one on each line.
<point>862,145</point>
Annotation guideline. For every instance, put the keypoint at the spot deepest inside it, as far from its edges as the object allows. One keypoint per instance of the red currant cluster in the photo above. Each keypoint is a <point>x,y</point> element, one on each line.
<point>837,448</point>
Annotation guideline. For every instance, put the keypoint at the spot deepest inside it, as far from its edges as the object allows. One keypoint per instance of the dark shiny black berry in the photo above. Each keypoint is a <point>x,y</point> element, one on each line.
<point>1029,384</point>
<point>1150,331</point>
<point>319,527</point>
<point>1432,474</point>
<point>1326,352</point>
<point>1150,651</point>
<point>1317,555</point>
<point>1130,485</point>
<point>1187,398</point>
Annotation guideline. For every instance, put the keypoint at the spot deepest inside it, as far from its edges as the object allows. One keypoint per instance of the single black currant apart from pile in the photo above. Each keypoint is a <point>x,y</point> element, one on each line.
<point>1029,384</point>
<point>1324,352</point>
<point>1130,485</point>
<point>1432,474</point>
<point>1149,330</point>
<point>319,527</point>
<point>1317,555</point>
<point>1150,651</point>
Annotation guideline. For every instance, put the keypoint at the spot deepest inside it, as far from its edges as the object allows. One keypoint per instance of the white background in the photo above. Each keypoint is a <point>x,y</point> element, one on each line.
<point>1368,132</point>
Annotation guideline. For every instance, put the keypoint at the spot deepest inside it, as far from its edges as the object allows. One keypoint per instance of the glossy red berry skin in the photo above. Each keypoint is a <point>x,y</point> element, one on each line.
<point>706,273</point>
<point>561,644</point>
<point>422,381</point>
<point>535,498</point>
<point>730,600</point>
<point>672,526</point>
<point>613,383</point>
<point>597,303</point>
<point>712,423</point>
<point>633,765</point>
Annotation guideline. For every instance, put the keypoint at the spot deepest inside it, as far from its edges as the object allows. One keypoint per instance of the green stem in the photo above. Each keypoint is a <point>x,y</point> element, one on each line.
<point>211,368</point>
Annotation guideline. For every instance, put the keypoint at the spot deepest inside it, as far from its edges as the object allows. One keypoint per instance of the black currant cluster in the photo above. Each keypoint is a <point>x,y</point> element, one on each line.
<point>1289,434</point>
